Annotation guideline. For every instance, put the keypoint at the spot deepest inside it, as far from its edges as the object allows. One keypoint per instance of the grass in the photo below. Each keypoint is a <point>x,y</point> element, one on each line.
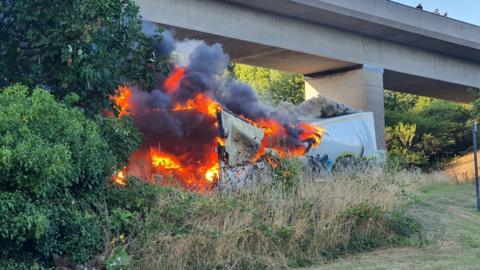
<point>450,225</point>
<point>292,223</point>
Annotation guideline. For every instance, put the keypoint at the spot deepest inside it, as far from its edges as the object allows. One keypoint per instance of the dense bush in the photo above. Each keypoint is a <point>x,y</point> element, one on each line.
<point>423,131</point>
<point>55,165</point>
<point>129,204</point>
<point>82,46</point>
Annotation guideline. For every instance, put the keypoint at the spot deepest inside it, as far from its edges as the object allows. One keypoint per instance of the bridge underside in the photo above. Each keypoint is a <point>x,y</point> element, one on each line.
<point>316,66</point>
<point>347,50</point>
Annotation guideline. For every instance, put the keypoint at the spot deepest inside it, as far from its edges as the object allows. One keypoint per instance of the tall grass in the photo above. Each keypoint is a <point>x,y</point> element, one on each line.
<point>291,223</point>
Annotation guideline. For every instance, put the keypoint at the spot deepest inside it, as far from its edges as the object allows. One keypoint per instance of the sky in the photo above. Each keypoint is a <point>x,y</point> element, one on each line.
<point>463,10</point>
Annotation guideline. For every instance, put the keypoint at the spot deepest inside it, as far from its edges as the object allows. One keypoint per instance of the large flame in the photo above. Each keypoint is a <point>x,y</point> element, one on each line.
<point>173,81</point>
<point>122,100</point>
<point>192,159</point>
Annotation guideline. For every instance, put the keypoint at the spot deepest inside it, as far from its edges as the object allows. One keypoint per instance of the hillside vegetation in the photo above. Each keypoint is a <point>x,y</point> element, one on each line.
<point>298,220</point>
<point>450,226</point>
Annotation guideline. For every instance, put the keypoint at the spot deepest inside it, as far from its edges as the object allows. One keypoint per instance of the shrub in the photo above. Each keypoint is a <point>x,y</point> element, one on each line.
<point>83,46</point>
<point>268,227</point>
<point>287,172</point>
<point>400,145</point>
<point>74,233</point>
<point>423,131</point>
<point>54,167</point>
<point>403,224</point>
<point>21,221</point>
<point>128,205</point>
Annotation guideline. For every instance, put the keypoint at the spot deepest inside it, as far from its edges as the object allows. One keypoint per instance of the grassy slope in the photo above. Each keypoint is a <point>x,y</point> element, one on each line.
<point>461,168</point>
<point>451,225</point>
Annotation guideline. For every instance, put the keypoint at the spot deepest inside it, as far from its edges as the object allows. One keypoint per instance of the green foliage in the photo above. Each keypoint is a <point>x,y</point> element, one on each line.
<point>74,231</point>
<point>128,205</point>
<point>396,101</point>
<point>287,172</point>
<point>26,265</point>
<point>272,85</point>
<point>362,212</point>
<point>422,131</point>
<point>54,166</point>
<point>85,46</point>
<point>21,220</point>
<point>119,260</point>
<point>51,143</point>
<point>350,163</point>
<point>121,136</point>
<point>399,225</point>
<point>173,210</point>
<point>403,224</point>
<point>400,144</point>
<point>475,93</point>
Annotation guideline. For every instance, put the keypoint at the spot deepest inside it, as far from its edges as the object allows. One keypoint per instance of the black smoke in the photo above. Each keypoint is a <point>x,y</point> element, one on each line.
<point>205,72</point>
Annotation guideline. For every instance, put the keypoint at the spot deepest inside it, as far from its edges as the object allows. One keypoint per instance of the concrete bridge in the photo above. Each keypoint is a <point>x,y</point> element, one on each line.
<point>348,50</point>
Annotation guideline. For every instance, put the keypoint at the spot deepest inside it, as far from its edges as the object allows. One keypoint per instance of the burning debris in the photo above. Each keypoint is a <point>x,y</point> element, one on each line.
<point>243,141</point>
<point>199,120</point>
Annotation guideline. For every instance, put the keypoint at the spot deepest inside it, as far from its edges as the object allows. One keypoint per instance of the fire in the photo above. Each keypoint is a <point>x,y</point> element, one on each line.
<point>220,141</point>
<point>121,99</point>
<point>191,157</point>
<point>198,170</point>
<point>276,133</point>
<point>189,105</point>
<point>201,104</point>
<point>213,174</point>
<point>173,81</point>
<point>164,160</point>
<point>120,177</point>
<point>191,172</point>
<point>312,133</point>
<point>271,127</point>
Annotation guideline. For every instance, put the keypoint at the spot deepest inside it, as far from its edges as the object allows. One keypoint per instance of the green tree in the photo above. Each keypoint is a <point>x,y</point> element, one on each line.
<point>400,140</point>
<point>55,165</point>
<point>441,127</point>
<point>272,86</point>
<point>397,101</point>
<point>83,46</point>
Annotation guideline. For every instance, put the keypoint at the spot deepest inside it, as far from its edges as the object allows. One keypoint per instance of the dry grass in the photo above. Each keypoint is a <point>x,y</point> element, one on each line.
<point>270,227</point>
<point>449,223</point>
<point>462,169</point>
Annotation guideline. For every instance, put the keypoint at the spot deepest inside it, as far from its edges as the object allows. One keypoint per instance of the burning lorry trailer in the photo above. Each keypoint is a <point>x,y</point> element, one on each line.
<point>216,149</point>
<point>202,128</point>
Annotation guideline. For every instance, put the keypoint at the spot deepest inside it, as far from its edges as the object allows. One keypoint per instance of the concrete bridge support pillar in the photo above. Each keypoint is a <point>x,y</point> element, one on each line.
<point>360,88</point>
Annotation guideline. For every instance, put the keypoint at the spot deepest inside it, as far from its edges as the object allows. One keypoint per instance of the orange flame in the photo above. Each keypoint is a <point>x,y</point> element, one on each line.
<point>196,165</point>
<point>213,174</point>
<point>122,100</point>
<point>120,177</point>
<point>201,104</point>
<point>164,160</point>
<point>173,81</point>
<point>275,136</point>
<point>312,133</point>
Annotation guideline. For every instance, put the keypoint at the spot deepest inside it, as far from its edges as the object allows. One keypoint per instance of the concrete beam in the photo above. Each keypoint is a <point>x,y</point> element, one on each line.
<point>256,26</point>
<point>383,19</point>
<point>359,88</point>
